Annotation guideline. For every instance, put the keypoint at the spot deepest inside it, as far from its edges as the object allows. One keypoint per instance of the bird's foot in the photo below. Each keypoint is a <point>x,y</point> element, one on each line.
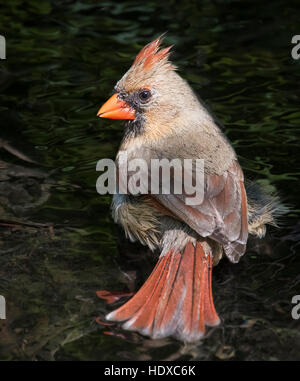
<point>112,296</point>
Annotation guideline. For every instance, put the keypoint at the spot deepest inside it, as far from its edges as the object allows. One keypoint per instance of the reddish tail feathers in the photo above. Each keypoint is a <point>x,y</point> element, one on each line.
<point>176,299</point>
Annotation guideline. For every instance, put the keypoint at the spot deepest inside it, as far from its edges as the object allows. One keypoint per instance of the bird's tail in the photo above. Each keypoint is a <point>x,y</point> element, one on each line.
<point>176,300</point>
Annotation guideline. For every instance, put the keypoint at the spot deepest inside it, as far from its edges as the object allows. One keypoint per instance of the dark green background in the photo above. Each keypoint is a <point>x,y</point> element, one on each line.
<point>63,59</point>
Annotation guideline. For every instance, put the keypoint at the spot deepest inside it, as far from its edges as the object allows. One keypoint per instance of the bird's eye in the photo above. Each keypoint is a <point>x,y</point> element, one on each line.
<point>145,95</point>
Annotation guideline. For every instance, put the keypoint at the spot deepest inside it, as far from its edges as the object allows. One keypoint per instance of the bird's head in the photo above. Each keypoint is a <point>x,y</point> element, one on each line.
<point>151,95</point>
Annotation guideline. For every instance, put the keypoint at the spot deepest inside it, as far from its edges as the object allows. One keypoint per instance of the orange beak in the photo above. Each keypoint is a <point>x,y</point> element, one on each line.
<point>116,109</point>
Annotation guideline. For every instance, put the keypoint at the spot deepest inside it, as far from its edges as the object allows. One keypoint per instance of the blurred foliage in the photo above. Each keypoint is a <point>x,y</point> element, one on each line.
<point>63,59</point>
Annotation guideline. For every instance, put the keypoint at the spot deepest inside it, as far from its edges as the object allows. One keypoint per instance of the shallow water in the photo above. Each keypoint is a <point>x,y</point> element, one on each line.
<point>63,59</point>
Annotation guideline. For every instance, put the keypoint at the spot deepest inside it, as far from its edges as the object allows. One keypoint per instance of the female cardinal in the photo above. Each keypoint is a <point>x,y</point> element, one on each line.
<point>166,120</point>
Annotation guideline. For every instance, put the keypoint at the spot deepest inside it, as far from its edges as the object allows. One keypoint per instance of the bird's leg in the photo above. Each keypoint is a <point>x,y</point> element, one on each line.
<point>112,296</point>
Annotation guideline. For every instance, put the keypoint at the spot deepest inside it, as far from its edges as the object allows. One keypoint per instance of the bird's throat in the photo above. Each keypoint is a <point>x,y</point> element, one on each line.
<point>134,128</point>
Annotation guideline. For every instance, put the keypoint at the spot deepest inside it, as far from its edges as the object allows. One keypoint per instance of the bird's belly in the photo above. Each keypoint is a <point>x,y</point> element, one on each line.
<point>139,220</point>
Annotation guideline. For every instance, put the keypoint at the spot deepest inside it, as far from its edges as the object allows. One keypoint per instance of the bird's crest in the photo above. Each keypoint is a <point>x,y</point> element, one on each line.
<point>151,54</point>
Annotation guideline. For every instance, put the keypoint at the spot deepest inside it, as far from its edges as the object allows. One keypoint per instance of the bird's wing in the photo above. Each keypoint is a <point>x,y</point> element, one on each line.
<point>222,215</point>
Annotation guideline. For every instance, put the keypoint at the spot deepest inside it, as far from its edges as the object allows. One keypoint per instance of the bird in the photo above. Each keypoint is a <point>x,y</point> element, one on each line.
<point>166,119</point>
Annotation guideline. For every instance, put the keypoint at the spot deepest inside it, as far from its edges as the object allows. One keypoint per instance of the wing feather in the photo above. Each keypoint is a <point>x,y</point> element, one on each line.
<point>221,216</point>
